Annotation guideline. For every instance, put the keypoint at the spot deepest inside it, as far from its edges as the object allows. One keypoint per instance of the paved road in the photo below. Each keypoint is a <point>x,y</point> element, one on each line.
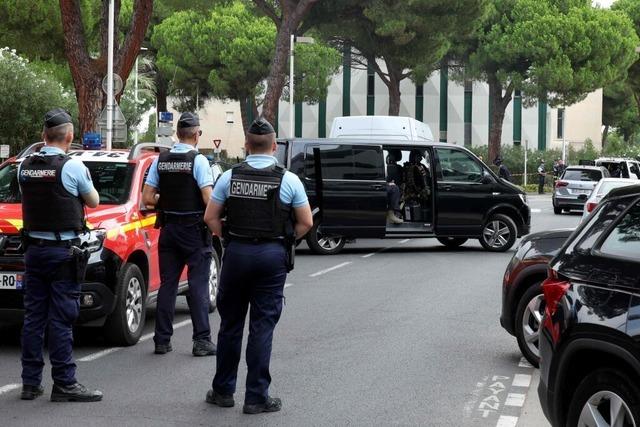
<point>390,332</point>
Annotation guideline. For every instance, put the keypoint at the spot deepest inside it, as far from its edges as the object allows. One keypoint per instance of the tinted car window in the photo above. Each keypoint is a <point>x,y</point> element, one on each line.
<point>458,166</point>
<point>9,190</point>
<point>582,175</point>
<point>607,215</point>
<point>624,239</point>
<point>281,154</point>
<point>346,162</point>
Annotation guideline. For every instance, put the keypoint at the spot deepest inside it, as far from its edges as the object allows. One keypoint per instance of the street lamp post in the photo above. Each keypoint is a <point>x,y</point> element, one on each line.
<point>293,42</point>
<point>564,136</point>
<point>135,96</point>
<point>110,76</point>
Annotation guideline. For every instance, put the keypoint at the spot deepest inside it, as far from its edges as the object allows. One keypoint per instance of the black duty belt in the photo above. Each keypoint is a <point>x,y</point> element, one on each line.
<point>255,240</point>
<point>53,243</point>
<point>186,219</point>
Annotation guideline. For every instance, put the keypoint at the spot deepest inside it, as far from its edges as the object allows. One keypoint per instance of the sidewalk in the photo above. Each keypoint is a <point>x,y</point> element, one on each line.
<point>532,415</point>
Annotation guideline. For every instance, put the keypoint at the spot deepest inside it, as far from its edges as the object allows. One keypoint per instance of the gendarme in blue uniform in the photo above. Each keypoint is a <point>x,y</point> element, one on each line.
<point>253,274</point>
<point>52,289</point>
<point>179,176</point>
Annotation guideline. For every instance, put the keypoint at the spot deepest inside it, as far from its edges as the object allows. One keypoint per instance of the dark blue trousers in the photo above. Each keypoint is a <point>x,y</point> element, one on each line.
<point>252,278</point>
<point>51,300</point>
<point>179,246</point>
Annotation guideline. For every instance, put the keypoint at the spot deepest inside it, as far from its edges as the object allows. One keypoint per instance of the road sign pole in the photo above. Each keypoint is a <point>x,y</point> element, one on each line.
<point>291,104</point>
<point>110,77</point>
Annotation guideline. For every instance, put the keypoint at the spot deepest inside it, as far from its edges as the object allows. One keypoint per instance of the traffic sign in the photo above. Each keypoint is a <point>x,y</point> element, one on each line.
<point>4,151</point>
<point>217,142</point>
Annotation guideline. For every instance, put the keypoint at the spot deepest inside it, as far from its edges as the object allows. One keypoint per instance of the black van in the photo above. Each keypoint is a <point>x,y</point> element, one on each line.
<point>347,188</point>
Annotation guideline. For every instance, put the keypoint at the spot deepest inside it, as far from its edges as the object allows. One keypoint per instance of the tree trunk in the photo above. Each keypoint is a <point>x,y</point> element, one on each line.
<point>277,73</point>
<point>498,104</point>
<point>162,89</point>
<point>394,95</point>
<point>605,135</point>
<point>89,94</point>
<point>244,113</point>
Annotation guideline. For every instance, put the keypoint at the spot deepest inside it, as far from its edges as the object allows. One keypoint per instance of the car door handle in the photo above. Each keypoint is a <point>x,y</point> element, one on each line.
<point>377,186</point>
<point>447,187</point>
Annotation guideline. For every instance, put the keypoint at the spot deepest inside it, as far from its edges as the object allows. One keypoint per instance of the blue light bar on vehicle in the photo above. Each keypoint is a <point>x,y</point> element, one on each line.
<point>91,141</point>
<point>166,117</point>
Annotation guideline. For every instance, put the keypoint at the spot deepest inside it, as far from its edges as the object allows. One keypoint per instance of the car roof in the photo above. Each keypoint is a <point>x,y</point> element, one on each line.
<point>614,180</point>
<point>614,159</point>
<point>630,190</point>
<point>584,167</point>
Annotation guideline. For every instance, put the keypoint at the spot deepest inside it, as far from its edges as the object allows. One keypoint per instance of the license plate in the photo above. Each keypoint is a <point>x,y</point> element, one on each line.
<point>11,280</point>
<point>578,191</point>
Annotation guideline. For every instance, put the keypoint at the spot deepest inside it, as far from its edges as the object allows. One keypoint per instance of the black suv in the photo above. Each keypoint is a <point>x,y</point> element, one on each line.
<point>346,181</point>
<point>590,334</point>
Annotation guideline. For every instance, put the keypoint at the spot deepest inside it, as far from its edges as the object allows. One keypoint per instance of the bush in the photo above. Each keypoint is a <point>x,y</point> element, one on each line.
<point>27,92</point>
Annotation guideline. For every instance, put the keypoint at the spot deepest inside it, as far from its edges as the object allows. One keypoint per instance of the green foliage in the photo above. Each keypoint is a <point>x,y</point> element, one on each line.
<point>150,135</point>
<point>27,93</point>
<point>315,65</point>
<point>619,109</point>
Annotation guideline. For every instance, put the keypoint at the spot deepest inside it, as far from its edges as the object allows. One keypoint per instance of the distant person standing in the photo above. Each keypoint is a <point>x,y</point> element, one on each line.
<point>542,174</point>
<point>503,170</point>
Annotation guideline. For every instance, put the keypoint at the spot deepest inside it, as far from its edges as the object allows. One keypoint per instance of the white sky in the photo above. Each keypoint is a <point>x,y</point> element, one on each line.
<point>603,3</point>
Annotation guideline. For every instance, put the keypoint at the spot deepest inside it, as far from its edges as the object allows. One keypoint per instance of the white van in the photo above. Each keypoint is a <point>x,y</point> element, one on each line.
<point>384,127</point>
<point>620,167</point>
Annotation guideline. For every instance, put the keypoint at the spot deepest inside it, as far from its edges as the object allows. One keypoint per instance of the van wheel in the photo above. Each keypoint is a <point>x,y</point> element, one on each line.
<point>214,281</point>
<point>499,233</point>
<point>527,323</point>
<point>557,210</point>
<point>324,245</point>
<point>452,242</point>
<point>124,326</point>
<point>605,397</point>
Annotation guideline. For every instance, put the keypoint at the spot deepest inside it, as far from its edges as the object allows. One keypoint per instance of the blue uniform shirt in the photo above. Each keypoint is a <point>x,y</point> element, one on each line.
<point>76,179</point>
<point>201,170</point>
<point>292,191</point>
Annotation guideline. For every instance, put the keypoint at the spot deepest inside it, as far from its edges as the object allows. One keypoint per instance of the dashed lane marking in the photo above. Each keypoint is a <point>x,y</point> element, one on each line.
<point>536,210</point>
<point>9,387</point>
<point>326,270</point>
<point>402,242</point>
<point>288,285</point>
<point>507,421</point>
<point>524,363</point>
<point>521,380</point>
<point>147,337</point>
<point>369,255</point>
<point>515,399</point>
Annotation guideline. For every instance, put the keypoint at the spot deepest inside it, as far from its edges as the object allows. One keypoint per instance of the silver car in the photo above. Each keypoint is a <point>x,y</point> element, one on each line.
<point>575,185</point>
<point>602,189</point>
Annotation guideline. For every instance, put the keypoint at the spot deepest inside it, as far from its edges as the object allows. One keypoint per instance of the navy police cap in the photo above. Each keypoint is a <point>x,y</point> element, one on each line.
<point>188,120</point>
<point>56,117</point>
<point>261,126</point>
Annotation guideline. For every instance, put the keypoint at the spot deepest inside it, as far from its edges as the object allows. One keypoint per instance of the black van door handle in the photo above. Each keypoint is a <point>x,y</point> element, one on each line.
<point>377,186</point>
<point>447,187</point>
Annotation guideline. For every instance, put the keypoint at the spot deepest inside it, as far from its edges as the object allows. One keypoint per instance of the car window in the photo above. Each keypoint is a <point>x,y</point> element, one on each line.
<point>281,153</point>
<point>624,239</point>
<point>582,175</point>
<point>346,162</point>
<point>458,166</point>
<point>609,212</point>
<point>112,180</point>
<point>616,169</point>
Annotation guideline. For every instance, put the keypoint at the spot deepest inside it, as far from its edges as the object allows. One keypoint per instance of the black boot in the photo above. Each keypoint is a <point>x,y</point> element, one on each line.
<point>272,404</point>
<point>222,400</point>
<point>30,392</point>
<point>203,348</point>
<point>74,393</point>
<point>163,348</point>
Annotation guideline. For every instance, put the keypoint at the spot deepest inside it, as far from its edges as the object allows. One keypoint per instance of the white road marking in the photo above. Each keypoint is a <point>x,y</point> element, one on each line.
<point>536,210</point>
<point>403,241</point>
<point>515,399</point>
<point>369,255</point>
<point>326,270</point>
<point>524,363</point>
<point>288,285</point>
<point>521,380</point>
<point>9,387</point>
<point>506,421</point>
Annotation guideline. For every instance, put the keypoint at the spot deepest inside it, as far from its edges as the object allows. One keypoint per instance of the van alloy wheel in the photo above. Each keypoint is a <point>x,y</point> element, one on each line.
<point>531,321</point>
<point>496,233</point>
<point>134,304</point>
<point>323,244</point>
<point>328,243</point>
<point>606,409</point>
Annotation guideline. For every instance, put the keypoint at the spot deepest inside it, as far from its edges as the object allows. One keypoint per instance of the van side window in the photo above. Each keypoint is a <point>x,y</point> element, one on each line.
<point>458,166</point>
<point>346,162</point>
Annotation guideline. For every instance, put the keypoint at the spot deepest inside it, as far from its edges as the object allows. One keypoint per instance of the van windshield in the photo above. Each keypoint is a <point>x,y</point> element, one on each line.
<point>112,180</point>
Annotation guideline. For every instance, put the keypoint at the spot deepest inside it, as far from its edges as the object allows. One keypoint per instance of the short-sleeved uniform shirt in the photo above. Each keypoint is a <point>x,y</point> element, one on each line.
<point>292,191</point>
<point>201,170</point>
<point>76,179</point>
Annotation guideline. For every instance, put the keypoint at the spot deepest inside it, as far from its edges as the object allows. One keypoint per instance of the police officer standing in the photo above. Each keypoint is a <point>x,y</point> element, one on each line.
<point>266,210</point>
<point>542,174</point>
<point>179,185</point>
<point>55,189</point>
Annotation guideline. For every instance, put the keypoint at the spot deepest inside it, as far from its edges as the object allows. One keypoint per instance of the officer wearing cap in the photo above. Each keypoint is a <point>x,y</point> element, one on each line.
<point>55,188</point>
<point>266,209</point>
<point>179,185</point>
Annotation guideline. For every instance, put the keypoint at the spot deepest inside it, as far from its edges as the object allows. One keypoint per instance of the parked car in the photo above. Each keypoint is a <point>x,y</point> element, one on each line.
<point>590,338</point>
<point>461,198</point>
<point>522,302</point>
<point>601,189</point>
<point>620,167</point>
<point>574,187</point>
<point>123,274</point>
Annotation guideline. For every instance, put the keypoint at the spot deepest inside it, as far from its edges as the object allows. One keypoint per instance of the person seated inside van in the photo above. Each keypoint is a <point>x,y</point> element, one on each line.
<point>394,186</point>
<point>417,180</point>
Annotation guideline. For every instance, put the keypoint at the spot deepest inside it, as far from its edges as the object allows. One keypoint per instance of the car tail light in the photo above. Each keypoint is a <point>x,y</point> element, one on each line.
<point>561,184</point>
<point>591,206</point>
<point>553,289</point>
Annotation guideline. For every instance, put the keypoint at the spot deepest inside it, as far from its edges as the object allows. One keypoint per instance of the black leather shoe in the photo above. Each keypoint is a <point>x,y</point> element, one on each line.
<point>74,393</point>
<point>163,348</point>
<point>222,400</point>
<point>30,392</point>
<point>272,404</point>
<point>203,348</point>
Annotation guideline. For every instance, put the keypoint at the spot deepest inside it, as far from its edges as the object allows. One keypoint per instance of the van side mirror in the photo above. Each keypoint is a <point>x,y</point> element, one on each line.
<point>487,179</point>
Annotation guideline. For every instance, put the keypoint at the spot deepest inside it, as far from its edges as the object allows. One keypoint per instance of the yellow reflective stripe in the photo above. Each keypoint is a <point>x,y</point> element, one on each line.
<point>17,223</point>
<point>134,225</point>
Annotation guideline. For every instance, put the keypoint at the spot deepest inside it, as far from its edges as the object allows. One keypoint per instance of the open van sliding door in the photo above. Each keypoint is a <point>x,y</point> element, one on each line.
<point>349,188</point>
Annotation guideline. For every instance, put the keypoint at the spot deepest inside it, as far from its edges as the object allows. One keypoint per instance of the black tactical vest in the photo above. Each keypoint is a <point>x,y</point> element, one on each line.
<point>254,208</point>
<point>46,204</point>
<point>179,190</point>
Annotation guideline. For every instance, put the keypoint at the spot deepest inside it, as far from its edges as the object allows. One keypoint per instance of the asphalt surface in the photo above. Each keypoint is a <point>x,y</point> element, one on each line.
<point>389,332</point>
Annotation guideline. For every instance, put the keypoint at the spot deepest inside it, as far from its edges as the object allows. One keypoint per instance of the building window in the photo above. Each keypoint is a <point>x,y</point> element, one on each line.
<point>560,130</point>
